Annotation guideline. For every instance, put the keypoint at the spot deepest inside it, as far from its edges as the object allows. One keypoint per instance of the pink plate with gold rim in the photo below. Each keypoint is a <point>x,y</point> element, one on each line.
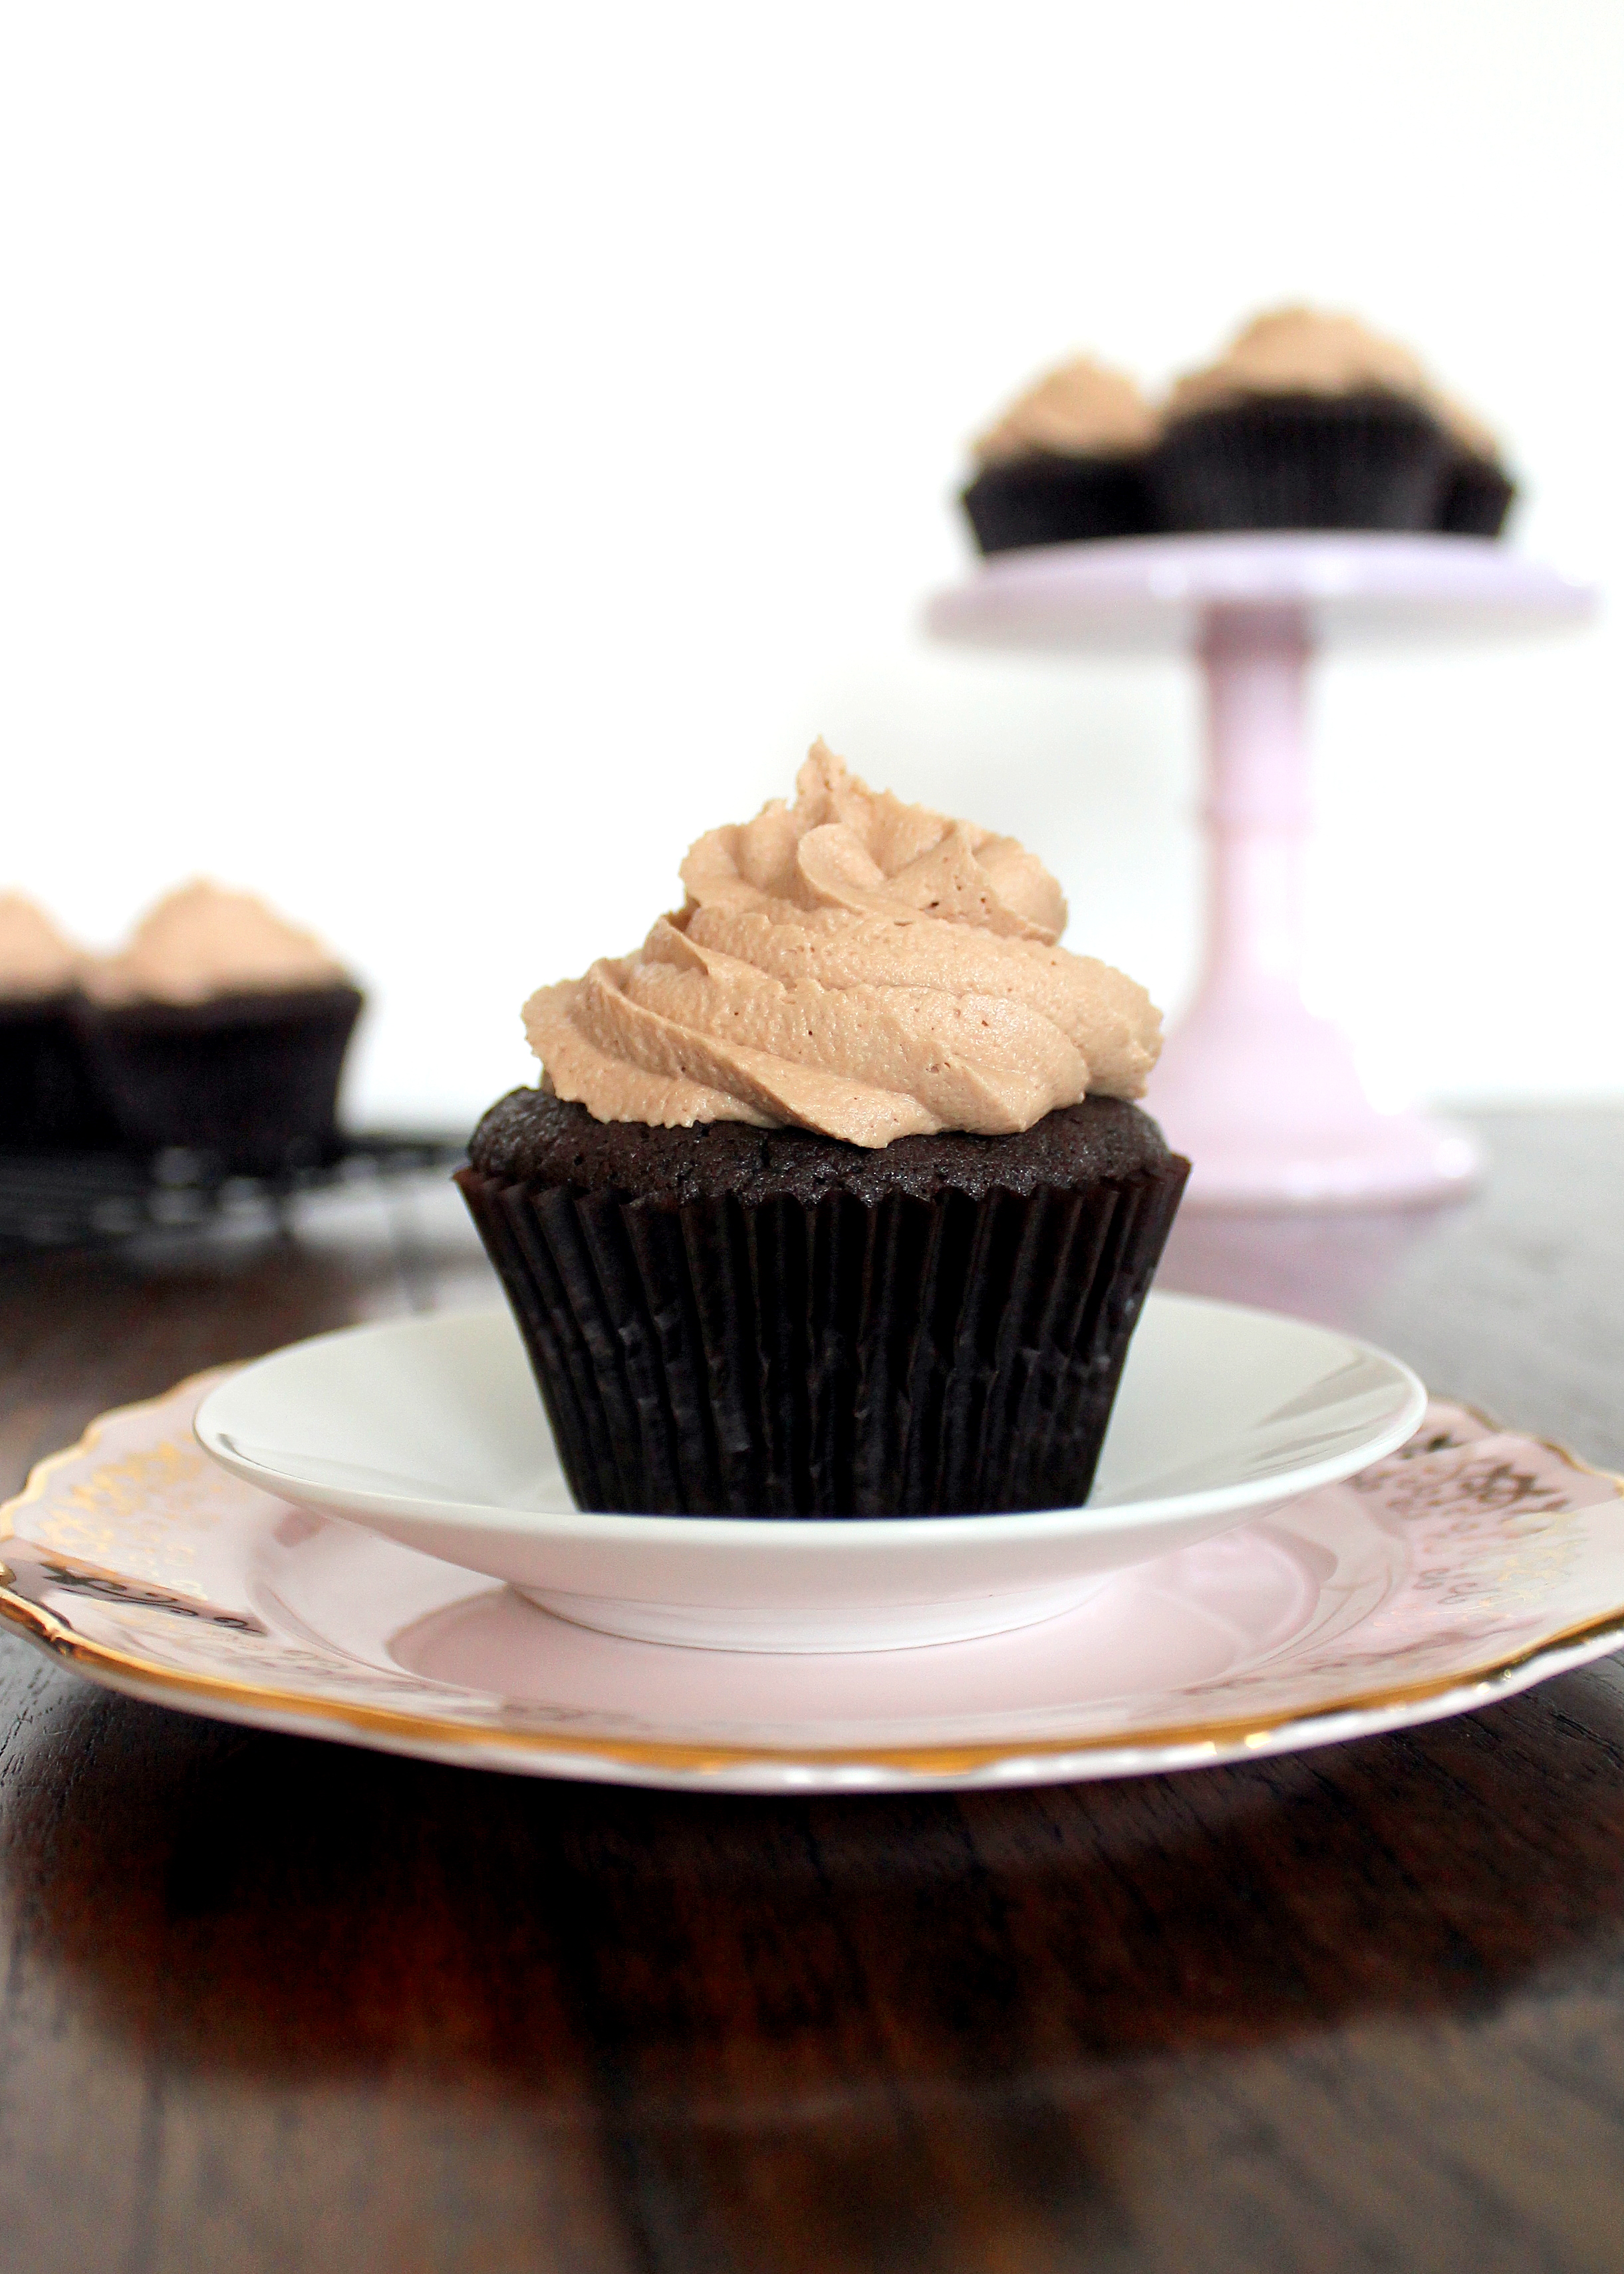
<point>1469,1565</point>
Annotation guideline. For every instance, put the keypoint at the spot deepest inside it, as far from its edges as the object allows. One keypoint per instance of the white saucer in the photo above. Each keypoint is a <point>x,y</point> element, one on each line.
<point>1467,1566</point>
<point>430,1432</point>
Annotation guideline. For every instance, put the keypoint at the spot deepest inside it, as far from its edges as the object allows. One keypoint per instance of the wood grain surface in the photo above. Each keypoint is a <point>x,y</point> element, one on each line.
<point>275,2003</point>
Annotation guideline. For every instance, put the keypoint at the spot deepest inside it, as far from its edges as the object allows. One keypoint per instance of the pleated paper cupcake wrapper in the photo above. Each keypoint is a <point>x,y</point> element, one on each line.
<point>252,1079</point>
<point>47,1100</point>
<point>1477,497</point>
<point>914,1357</point>
<point>1058,502</point>
<point>1357,462</point>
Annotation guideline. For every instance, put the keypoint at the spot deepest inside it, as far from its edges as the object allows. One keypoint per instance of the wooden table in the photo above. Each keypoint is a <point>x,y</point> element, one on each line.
<point>270,2004</point>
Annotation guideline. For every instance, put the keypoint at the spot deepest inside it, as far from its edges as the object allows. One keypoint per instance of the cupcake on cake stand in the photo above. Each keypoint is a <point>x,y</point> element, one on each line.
<point>1261,1094</point>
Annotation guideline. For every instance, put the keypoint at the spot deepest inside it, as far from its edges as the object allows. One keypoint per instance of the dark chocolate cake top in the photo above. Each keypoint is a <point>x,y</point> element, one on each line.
<point>528,1136</point>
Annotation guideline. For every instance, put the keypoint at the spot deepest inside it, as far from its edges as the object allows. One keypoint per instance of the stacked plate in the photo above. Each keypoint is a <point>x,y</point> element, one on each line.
<point>367,1537</point>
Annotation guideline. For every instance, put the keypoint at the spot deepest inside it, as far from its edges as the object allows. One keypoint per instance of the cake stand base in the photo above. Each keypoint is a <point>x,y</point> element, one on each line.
<point>1268,1105</point>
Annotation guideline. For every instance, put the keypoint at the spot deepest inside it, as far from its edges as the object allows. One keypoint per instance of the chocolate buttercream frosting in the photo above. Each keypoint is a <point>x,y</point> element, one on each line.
<point>1079,410</point>
<point>1304,352</point>
<point>201,941</point>
<point>34,958</point>
<point>851,965</point>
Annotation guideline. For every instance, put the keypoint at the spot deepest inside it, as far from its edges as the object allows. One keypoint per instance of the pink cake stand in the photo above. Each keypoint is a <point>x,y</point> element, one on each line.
<point>1262,1094</point>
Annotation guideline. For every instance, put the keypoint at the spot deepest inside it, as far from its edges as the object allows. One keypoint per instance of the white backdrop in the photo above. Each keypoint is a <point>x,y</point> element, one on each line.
<point>452,456</point>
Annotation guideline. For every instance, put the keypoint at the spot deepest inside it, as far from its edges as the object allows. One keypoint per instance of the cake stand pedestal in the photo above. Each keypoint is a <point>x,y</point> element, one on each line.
<point>1263,1096</point>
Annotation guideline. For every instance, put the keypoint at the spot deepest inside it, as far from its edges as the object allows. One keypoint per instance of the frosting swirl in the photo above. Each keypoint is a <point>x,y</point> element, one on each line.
<point>1079,411</point>
<point>1307,352</point>
<point>1304,352</point>
<point>34,958</point>
<point>201,940</point>
<point>852,965</point>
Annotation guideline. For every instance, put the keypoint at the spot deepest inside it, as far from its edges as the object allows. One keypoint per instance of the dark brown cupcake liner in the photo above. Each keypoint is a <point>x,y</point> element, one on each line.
<point>1301,461</point>
<point>950,1355</point>
<point>1054,501</point>
<point>1476,498</point>
<point>49,1100</point>
<point>249,1079</point>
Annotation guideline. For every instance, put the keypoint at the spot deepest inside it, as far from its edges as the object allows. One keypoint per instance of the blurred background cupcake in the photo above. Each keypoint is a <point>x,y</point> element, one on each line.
<point>1478,494</point>
<point>1065,462</point>
<point>1307,421</point>
<point>47,1102</point>
<point>222,1028</point>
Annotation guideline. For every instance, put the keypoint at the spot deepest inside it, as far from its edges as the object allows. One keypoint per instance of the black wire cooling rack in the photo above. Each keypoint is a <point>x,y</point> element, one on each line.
<point>83,1199</point>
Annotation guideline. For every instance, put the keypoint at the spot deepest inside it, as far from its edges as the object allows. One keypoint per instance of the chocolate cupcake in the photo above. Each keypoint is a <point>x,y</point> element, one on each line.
<point>1065,462</point>
<point>1478,494</point>
<point>223,1029</point>
<point>833,1200</point>
<point>47,1101</point>
<point>1309,421</point>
